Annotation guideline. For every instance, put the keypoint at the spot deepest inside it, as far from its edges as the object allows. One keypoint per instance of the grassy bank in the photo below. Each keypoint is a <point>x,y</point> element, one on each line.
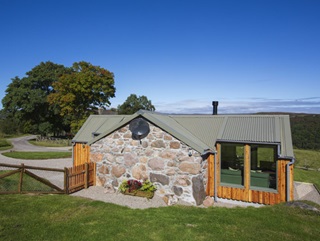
<point>37,155</point>
<point>51,143</point>
<point>60,217</point>
<point>307,176</point>
<point>307,158</point>
<point>5,144</point>
<point>310,160</point>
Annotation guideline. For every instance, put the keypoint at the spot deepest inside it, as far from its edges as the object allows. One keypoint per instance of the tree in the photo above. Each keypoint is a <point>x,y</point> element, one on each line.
<point>26,100</point>
<point>134,103</point>
<point>82,91</point>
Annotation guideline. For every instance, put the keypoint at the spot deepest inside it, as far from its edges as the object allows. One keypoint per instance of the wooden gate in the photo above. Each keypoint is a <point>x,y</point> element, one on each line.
<point>80,177</point>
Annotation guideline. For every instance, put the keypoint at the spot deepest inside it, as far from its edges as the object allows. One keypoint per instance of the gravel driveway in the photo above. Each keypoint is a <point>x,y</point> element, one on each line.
<point>22,144</point>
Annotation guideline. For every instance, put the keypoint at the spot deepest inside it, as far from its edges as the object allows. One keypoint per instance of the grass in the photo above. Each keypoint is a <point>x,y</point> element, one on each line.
<point>301,175</point>
<point>310,160</point>
<point>307,158</point>
<point>37,155</point>
<point>5,144</point>
<point>62,217</point>
<point>10,183</point>
<point>60,143</point>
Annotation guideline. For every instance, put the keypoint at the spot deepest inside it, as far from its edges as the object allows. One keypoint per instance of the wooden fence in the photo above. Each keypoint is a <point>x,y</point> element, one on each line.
<point>28,179</point>
<point>80,177</point>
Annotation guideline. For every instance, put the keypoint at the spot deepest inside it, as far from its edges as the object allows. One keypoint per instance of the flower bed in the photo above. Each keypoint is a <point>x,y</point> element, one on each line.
<point>137,188</point>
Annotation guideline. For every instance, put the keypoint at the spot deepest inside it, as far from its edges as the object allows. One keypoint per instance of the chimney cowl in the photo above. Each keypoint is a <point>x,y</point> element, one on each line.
<point>215,107</point>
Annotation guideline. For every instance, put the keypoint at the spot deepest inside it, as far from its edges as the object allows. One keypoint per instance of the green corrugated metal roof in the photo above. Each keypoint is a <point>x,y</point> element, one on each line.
<point>164,122</point>
<point>96,124</point>
<point>203,127</point>
<point>250,128</point>
<point>267,129</point>
<point>200,132</point>
<point>177,130</point>
<point>285,137</point>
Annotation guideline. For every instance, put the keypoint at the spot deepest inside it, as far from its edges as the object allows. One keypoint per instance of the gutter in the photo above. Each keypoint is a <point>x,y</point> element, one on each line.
<point>205,153</point>
<point>288,177</point>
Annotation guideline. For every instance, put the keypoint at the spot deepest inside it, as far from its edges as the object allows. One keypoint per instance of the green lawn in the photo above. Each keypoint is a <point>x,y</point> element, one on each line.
<point>307,176</point>
<point>311,160</point>
<point>29,184</point>
<point>37,155</point>
<point>62,217</point>
<point>57,143</point>
<point>5,144</point>
<point>307,158</point>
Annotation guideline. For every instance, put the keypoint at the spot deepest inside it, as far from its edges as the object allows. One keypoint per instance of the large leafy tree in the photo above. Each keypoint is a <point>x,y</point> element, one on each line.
<point>82,91</point>
<point>134,103</point>
<point>26,102</point>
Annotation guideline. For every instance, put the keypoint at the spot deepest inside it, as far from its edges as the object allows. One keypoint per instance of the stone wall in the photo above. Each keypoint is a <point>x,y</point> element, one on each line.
<point>178,171</point>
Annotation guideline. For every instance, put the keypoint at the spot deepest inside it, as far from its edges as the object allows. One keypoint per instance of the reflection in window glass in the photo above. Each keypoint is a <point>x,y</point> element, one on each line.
<point>232,163</point>
<point>263,166</point>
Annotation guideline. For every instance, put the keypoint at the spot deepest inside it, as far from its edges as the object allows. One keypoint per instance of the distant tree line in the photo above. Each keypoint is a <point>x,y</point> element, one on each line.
<point>53,99</point>
<point>305,130</point>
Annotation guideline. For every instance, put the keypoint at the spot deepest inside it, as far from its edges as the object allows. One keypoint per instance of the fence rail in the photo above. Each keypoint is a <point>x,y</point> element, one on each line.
<point>30,179</point>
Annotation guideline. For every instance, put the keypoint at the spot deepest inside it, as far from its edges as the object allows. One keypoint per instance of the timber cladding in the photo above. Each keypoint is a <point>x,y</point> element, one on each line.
<point>81,154</point>
<point>245,193</point>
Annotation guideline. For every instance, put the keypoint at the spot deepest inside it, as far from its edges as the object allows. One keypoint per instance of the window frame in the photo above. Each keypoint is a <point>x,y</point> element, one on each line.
<point>275,163</point>
<point>251,187</point>
<point>226,184</point>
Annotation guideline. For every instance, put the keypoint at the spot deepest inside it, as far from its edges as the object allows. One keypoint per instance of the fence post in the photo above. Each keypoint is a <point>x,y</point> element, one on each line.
<point>21,178</point>
<point>66,180</point>
<point>86,175</point>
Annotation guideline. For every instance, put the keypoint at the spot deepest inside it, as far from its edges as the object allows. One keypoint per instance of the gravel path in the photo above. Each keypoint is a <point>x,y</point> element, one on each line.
<point>306,191</point>
<point>22,144</point>
<point>97,193</point>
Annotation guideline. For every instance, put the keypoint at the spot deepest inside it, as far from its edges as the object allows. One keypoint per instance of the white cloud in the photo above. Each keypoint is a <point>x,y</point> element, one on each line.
<point>252,105</point>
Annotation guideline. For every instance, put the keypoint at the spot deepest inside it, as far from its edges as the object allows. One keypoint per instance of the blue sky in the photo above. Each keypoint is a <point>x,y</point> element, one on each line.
<point>251,56</point>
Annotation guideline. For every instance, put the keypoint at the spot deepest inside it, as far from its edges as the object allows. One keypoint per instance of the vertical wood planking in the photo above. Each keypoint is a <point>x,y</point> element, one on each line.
<point>218,163</point>
<point>247,171</point>
<point>262,197</point>
<point>281,187</point>
<point>291,183</point>
<point>81,154</point>
<point>81,176</point>
<point>210,181</point>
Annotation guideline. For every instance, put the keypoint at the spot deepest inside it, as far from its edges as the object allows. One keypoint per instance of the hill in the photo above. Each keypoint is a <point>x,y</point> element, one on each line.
<point>305,129</point>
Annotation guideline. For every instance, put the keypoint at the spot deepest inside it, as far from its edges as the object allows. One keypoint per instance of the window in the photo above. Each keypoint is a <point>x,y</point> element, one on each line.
<point>232,163</point>
<point>263,166</point>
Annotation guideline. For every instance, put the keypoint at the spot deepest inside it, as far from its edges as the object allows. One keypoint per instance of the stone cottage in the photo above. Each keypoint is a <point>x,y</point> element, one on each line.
<point>188,157</point>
